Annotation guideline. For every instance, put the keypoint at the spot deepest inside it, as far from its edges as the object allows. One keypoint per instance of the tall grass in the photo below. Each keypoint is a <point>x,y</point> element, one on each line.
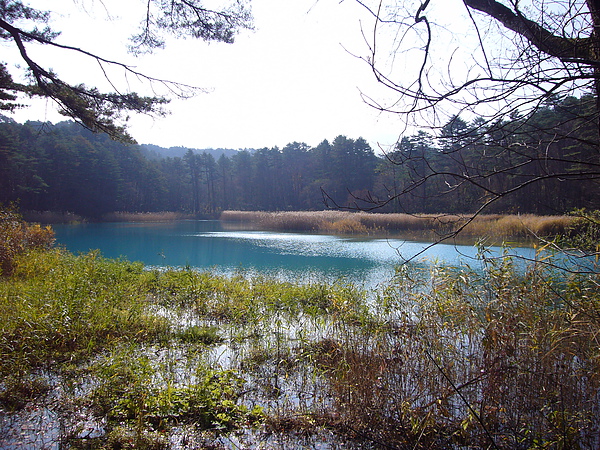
<point>164,216</point>
<point>132,346</point>
<point>441,358</point>
<point>432,225</point>
<point>51,217</point>
<point>499,360</point>
<point>63,307</point>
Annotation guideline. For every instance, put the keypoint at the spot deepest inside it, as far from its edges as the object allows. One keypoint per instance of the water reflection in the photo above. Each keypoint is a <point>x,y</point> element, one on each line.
<point>287,256</point>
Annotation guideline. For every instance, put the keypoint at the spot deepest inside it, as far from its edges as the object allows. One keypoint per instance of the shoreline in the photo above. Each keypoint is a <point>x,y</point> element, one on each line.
<point>457,227</point>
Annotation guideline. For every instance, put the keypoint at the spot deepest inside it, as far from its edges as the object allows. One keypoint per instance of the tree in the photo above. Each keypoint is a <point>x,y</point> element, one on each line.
<point>527,85</point>
<point>296,172</point>
<point>402,177</point>
<point>100,111</point>
<point>194,164</point>
<point>352,165</point>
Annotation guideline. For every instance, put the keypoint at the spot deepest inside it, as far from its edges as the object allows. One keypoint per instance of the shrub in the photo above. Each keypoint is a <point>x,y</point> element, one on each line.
<point>16,237</point>
<point>584,232</point>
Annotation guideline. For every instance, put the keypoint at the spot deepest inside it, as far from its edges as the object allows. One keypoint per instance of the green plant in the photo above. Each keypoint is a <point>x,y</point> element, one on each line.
<point>132,389</point>
<point>17,237</point>
<point>584,232</point>
<point>206,335</point>
<point>59,307</point>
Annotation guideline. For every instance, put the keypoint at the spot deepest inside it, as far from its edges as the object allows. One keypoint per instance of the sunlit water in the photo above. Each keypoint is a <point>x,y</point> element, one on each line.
<point>212,245</point>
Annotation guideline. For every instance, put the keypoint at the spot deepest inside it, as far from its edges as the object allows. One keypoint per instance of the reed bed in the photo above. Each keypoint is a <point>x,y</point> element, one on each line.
<point>430,225</point>
<point>164,216</point>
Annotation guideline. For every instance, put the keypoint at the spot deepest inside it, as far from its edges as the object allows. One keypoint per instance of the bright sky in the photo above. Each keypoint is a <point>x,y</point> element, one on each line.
<point>294,78</point>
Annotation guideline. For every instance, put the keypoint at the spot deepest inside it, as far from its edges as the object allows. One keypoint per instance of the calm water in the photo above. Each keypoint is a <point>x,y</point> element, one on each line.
<point>226,249</point>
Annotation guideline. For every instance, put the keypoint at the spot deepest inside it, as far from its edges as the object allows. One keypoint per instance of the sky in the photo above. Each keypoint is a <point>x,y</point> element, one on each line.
<point>295,77</point>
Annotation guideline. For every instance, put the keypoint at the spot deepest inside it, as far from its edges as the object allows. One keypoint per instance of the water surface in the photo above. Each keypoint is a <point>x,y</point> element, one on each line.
<point>217,246</point>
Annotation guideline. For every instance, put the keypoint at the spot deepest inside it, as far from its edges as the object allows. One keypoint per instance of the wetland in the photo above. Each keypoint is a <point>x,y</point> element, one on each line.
<point>477,349</point>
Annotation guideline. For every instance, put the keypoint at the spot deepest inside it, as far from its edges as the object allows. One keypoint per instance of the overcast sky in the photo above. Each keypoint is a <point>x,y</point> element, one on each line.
<point>296,77</point>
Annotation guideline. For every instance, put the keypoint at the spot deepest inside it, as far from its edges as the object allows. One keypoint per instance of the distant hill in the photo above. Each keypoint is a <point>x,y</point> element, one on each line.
<point>155,152</point>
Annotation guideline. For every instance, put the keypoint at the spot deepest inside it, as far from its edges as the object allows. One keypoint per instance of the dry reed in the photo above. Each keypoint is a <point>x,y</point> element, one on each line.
<point>346,222</point>
<point>164,216</point>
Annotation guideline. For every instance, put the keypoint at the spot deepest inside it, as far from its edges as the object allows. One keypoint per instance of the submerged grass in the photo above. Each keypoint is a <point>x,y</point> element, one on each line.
<point>440,358</point>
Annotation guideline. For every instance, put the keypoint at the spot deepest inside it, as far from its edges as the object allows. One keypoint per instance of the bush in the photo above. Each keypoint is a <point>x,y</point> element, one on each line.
<point>584,232</point>
<point>16,237</point>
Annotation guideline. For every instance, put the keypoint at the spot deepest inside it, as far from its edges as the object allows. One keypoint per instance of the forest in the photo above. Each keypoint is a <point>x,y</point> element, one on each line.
<point>67,168</point>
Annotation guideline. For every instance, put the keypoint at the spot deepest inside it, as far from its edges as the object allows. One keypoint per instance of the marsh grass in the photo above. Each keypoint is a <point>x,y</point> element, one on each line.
<point>499,360</point>
<point>71,318</point>
<point>424,225</point>
<point>59,306</point>
<point>441,358</point>
<point>164,216</point>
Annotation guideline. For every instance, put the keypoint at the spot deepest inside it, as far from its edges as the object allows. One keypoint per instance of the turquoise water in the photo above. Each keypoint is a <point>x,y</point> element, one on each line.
<point>290,256</point>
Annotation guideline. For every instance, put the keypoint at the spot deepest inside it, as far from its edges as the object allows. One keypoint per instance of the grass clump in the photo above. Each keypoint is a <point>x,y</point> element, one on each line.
<point>343,226</point>
<point>207,335</point>
<point>136,390</point>
<point>242,299</point>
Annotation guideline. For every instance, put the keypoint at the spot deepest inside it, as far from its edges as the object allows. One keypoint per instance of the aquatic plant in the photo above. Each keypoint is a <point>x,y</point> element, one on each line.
<point>133,388</point>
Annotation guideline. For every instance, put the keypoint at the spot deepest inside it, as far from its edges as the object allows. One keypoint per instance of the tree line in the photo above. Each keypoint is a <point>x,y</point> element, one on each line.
<point>465,167</point>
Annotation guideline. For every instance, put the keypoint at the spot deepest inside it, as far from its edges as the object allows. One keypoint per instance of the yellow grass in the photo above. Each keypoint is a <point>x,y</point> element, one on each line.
<point>363,223</point>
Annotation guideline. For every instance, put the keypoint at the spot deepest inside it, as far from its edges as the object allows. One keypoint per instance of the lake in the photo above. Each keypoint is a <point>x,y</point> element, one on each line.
<point>227,248</point>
